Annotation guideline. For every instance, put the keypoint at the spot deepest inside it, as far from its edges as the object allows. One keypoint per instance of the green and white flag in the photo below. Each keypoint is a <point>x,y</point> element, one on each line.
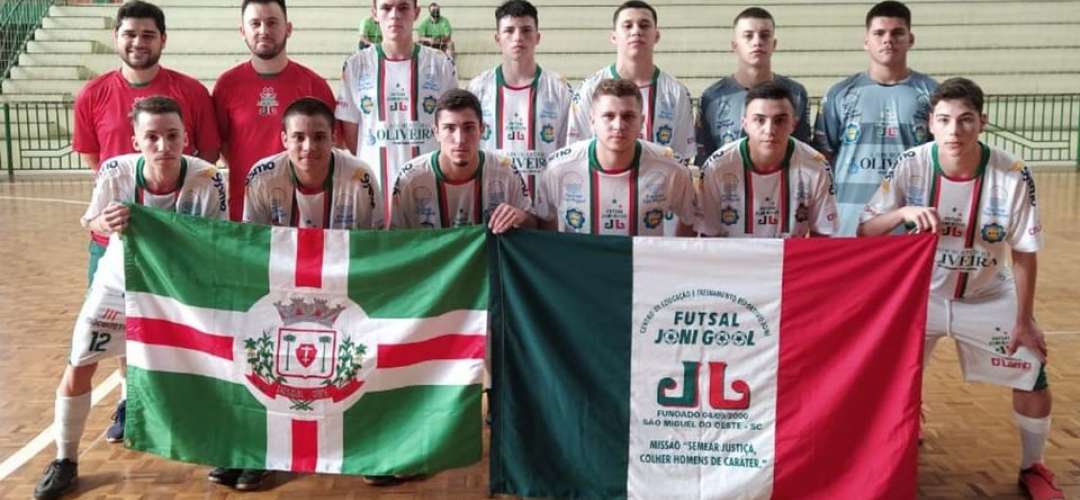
<point>356,352</point>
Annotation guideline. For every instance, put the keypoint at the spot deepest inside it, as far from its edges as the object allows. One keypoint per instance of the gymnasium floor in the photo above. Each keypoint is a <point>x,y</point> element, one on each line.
<point>971,447</point>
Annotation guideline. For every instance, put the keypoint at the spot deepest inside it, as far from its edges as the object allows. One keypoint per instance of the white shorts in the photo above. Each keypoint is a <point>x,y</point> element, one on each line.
<point>99,328</point>
<point>981,328</point>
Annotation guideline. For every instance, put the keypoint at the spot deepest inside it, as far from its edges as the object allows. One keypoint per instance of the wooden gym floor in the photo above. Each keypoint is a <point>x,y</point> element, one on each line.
<point>971,446</point>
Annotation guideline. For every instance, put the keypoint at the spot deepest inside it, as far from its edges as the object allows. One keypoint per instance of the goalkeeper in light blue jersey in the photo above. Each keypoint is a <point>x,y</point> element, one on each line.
<point>720,109</point>
<point>868,119</point>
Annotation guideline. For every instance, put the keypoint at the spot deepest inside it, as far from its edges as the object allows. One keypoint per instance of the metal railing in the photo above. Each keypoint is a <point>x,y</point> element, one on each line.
<point>18,20</point>
<point>1038,128</point>
<point>37,136</point>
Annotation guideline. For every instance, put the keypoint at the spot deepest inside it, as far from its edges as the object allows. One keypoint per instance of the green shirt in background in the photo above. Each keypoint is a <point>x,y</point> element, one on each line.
<point>371,30</point>
<point>434,29</point>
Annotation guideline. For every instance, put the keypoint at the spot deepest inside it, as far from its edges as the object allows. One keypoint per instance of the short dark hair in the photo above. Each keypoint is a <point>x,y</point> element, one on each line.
<point>958,88</point>
<point>770,91</point>
<point>889,8</point>
<point>308,106</point>
<point>753,13</point>
<point>281,3</point>
<point>618,87</point>
<point>516,8</point>
<point>154,105</point>
<point>634,4</point>
<point>138,9</point>
<point>457,100</point>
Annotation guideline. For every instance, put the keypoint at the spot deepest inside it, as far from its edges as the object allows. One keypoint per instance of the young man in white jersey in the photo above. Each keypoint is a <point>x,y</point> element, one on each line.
<point>981,201</point>
<point>615,184</point>
<point>386,104</point>
<point>667,115</point>
<point>869,118</point>
<point>161,176</point>
<point>767,185</point>
<point>525,107</point>
<point>720,109</point>
<point>311,184</point>
<point>460,184</point>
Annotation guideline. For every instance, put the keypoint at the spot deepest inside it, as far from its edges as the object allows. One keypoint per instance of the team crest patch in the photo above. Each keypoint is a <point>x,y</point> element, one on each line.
<point>429,105</point>
<point>574,218</point>
<point>663,135</point>
<point>729,216</point>
<point>993,232</point>
<point>268,102</point>
<point>547,133</point>
<point>802,214</point>
<point>653,218</point>
<point>852,133</point>
<point>367,105</point>
<point>487,133</point>
<point>305,359</point>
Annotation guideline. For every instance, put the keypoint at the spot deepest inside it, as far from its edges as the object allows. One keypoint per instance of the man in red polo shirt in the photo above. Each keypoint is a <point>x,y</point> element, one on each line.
<point>250,98</point>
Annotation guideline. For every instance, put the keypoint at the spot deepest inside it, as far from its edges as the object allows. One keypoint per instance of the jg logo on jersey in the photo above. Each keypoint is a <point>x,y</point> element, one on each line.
<point>300,357</point>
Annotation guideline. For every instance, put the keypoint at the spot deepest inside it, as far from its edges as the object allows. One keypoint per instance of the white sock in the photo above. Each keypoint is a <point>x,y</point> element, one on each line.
<point>1033,433</point>
<point>70,420</point>
<point>123,388</point>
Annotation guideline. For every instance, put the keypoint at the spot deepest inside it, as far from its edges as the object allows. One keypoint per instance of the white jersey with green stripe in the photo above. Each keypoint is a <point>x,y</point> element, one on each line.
<point>349,198</point>
<point>424,198</point>
<point>669,116</point>
<point>794,201</point>
<point>393,103</point>
<point>201,191</point>
<point>982,218</point>
<point>583,198</point>
<point>864,125</point>
<point>524,123</point>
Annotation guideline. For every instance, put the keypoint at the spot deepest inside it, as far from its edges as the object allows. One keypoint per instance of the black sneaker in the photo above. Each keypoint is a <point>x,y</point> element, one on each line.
<point>223,476</point>
<point>59,477</point>
<point>380,480</point>
<point>251,479</point>
<point>115,433</point>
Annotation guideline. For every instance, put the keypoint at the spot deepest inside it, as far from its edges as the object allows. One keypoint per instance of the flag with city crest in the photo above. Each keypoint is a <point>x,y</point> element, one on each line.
<point>706,368</point>
<point>356,352</point>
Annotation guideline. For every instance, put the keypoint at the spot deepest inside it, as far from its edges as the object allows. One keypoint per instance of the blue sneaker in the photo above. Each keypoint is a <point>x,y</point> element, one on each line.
<point>115,434</point>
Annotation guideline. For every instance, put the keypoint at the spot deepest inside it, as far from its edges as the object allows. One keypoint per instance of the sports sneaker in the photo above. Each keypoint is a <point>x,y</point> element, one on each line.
<point>251,479</point>
<point>1038,482</point>
<point>115,433</point>
<point>223,476</point>
<point>59,477</point>
<point>380,480</point>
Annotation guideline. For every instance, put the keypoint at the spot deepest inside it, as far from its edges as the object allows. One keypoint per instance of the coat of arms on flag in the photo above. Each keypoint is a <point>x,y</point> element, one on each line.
<point>303,349</point>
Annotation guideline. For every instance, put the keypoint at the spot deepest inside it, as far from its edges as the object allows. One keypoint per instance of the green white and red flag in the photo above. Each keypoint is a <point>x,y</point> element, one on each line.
<point>356,352</point>
<point>707,368</point>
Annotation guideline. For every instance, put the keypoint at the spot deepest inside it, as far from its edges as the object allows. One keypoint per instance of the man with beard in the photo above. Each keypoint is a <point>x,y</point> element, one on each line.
<point>250,97</point>
<point>103,128</point>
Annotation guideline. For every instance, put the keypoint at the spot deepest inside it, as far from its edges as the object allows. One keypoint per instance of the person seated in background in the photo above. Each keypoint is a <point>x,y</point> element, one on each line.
<point>435,31</point>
